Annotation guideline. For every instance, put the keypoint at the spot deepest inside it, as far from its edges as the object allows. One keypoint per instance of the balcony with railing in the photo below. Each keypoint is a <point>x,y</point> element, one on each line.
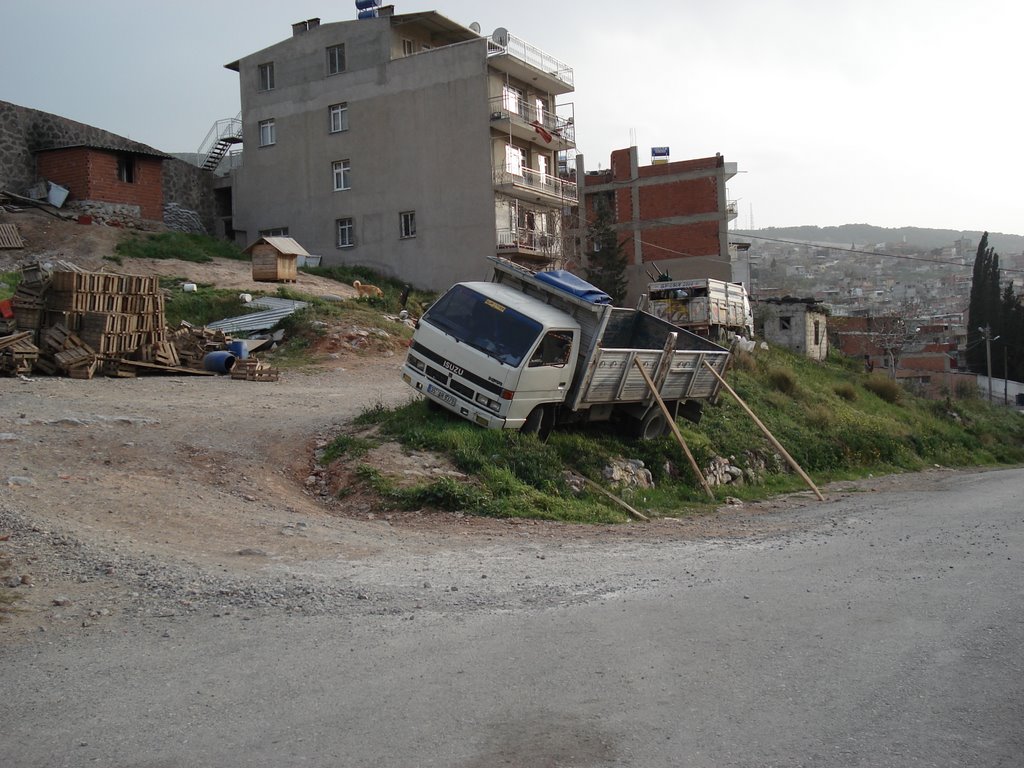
<point>529,244</point>
<point>530,123</point>
<point>732,210</point>
<point>528,63</point>
<point>528,184</point>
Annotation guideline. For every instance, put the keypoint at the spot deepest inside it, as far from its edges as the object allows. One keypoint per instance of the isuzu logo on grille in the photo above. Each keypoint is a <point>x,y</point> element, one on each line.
<point>454,368</point>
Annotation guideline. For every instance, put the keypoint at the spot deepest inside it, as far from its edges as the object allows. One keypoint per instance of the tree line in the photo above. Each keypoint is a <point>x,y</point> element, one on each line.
<point>996,320</point>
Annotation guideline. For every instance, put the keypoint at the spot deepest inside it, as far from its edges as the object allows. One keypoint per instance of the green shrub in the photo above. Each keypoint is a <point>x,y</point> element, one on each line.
<point>783,380</point>
<point>883,387</point>
<point>846,391</point>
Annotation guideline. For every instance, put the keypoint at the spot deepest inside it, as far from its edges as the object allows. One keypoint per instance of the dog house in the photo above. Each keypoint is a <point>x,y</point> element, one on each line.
<point>275,259</point>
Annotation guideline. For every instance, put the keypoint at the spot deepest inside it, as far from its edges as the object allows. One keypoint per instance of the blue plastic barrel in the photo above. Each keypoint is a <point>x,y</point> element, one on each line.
<point>239,349</point>
<point>219,362</point>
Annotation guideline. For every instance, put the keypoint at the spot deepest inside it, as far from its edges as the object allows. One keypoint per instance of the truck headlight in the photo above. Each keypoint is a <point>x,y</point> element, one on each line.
<point>486,402</point>
<point>416,363</point>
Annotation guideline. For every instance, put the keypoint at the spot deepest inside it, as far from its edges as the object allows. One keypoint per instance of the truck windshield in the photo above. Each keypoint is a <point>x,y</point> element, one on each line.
<point>485,324</point>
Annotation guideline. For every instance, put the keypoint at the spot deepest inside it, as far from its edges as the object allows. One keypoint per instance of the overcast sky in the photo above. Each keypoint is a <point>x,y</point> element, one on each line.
<point>885,112</point>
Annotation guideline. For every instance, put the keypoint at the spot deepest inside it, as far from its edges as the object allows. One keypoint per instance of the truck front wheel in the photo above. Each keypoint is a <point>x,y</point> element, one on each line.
<point>537,423</point>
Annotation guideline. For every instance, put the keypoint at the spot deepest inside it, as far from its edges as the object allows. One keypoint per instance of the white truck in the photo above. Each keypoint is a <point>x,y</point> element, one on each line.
<point>530,351</point>
<point>711,308</point>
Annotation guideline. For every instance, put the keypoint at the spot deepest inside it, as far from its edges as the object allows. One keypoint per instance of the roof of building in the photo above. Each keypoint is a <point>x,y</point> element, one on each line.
<point>131,147</point>
<point>432,21</point>
<point>284,245</point>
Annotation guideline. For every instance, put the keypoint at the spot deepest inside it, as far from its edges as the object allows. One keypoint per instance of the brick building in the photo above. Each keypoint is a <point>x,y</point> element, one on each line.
<point>125,177</point>
<point>105,173</point>
<point>672,216</point>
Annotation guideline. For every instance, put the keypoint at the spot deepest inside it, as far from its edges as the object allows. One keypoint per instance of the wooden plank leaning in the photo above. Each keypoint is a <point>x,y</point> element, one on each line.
<point>675,430</point>
<point>769,435</point>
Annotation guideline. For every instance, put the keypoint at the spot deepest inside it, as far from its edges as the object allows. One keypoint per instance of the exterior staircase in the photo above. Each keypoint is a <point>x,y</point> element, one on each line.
<point>218,141</point>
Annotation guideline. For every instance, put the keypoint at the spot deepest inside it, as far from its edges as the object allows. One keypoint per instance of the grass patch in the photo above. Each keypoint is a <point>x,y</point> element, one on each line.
<point>177,245</point>
<point>416,300</point>
<point>202,306</point>
<point>9,283</point>
<point>347,445</point>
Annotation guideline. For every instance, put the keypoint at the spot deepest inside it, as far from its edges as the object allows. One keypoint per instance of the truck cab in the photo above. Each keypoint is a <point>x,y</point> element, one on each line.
<point>489,353</point>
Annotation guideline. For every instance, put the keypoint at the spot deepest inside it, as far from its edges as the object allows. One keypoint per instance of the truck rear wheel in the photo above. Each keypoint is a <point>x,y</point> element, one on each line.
<point>653,425</point>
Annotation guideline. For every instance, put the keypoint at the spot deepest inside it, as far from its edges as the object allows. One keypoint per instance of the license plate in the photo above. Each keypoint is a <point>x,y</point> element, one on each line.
<point>440,393</point>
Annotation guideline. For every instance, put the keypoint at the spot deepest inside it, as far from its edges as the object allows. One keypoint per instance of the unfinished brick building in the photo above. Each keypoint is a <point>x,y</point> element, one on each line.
<point>672,217</point>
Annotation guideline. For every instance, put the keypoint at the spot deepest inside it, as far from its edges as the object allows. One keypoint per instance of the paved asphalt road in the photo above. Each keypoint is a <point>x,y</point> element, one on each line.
<point>889,632</point>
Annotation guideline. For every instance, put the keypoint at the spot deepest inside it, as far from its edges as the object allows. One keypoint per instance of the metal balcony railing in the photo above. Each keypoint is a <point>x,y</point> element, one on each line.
<point>511,45</point>
<point>527,178</point>
<point>522,239</point>
<point>527,114</point>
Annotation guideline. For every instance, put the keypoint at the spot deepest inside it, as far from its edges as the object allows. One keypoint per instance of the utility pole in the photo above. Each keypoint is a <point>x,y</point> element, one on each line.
<point>987,330</point>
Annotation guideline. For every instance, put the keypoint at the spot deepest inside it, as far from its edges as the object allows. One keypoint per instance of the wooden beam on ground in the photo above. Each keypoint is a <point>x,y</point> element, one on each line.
<point>769,435</point>
<point>635,513</point>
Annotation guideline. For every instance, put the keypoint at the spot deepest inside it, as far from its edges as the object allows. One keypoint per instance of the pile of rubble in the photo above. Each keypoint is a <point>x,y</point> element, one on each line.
<point>76,323</point>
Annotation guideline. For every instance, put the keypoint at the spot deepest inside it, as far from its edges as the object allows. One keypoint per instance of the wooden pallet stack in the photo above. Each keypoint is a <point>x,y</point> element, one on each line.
<point>117,315</point>
<point>252,369</point>
<point>29,300</point>
<point>17,353</point>
<point>79,323</point>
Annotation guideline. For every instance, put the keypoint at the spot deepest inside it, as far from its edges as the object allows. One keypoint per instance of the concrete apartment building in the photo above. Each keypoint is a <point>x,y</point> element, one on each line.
<point>672,217</point>
<point>409,144</point>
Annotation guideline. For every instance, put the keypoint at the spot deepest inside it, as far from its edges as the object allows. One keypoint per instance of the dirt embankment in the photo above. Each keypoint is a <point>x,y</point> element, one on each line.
<point>90,246</point>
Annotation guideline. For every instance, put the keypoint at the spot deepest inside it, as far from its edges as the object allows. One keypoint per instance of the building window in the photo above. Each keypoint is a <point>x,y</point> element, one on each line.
<point>513,160</point>
<point>274,232</point>
<point>126,169</point>
<point>336,59</point>
<point>268,133</point>
<point>267,76</point>
<point>785,323</point>
<point>346,233</point>
<point>512,98</point>
<point>407,223</point>
<point>342,174</point>
<point>408,47</point>
<point>338,117</point>
<point>817,332</point>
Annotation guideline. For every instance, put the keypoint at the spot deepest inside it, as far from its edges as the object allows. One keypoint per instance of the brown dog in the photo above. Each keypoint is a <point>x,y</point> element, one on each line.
<point>367,290</point>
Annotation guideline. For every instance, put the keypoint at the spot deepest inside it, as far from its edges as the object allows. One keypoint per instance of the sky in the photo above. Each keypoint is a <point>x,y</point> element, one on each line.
<point>886,112</point>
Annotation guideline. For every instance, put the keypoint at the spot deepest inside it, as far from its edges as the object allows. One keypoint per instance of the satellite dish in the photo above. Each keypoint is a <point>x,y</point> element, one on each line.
<point>475,27</point>
<point>500,36</point>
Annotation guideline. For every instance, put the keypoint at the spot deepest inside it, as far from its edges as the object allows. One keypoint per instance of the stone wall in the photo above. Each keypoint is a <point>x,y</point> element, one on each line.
<point>24,131</point>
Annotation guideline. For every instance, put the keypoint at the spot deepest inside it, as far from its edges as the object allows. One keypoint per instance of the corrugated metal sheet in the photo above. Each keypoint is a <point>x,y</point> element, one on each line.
<point>277,309</point>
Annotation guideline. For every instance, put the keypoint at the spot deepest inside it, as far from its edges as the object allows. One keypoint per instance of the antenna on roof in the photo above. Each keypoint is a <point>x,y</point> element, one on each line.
<point>475,26</point>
